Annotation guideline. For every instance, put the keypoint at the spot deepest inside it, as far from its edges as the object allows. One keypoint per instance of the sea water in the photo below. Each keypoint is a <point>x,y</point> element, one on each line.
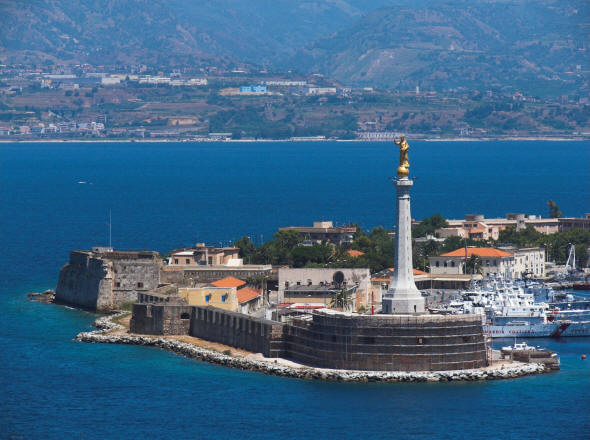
<point>57,197</point>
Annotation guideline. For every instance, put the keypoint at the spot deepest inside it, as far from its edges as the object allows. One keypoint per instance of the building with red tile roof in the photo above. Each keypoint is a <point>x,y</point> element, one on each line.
<point>354,253</point>
<point>247,294</point>
<point>491,261</point>
<point>228,282</point>
<point>479,252</point>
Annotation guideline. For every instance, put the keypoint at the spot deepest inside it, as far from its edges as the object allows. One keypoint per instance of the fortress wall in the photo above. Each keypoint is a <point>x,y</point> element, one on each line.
<point>238,330</point>
<point>152,319</point>
<point>85,282</point>
<point>339,341</point>
<point>388,343</point>
<point>104,282</point>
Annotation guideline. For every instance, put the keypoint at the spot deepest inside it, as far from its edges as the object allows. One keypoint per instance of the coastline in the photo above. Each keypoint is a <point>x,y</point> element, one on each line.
<point>245,141</point>
<point>109,332</point>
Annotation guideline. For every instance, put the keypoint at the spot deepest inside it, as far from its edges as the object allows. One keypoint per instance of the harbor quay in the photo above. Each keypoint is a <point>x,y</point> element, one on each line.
<point>330,339</point>
<point>113,329</point>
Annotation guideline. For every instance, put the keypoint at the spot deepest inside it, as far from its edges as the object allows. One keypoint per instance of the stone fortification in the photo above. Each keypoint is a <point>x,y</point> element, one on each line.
<point>210,323</point>
<point>190,275</point>
<point>102,281</point>
<point>330,339</point>
<point>387,343</point>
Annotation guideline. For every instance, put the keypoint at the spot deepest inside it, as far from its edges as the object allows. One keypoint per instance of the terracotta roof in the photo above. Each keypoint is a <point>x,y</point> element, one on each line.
<point>480,252</point>
<point>354,253</point>
<point>416,271</point>
<point>380,280</point>
<point>247,294</point>
<point>228,282</point>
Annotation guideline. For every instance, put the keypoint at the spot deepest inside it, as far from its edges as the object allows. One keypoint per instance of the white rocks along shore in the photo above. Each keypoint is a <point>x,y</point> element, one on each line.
<point>276,367</point>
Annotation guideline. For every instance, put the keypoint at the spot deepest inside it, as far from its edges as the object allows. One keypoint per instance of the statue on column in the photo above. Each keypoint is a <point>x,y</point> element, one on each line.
<point>404,163</point>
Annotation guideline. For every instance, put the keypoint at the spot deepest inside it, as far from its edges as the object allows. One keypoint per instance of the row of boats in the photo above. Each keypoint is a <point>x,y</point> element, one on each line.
<point>522,309</point>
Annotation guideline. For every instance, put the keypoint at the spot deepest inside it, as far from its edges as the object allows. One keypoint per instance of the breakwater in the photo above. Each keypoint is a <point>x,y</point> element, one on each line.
<point>105,335</point>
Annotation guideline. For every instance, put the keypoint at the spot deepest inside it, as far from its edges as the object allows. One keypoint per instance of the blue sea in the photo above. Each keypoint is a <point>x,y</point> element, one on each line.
<point>55,197</point>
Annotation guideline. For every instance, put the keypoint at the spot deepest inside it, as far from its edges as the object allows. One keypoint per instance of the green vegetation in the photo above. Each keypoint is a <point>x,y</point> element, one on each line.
<point>428,225</point>
<point>128,306</point>
<point>554,211</point>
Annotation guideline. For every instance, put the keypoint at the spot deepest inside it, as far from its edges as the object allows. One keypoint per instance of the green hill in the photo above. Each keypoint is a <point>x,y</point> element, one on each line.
<point>539,47</point>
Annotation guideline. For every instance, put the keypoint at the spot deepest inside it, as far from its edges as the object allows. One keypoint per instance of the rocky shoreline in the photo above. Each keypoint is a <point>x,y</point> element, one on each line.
<point>105,326</point>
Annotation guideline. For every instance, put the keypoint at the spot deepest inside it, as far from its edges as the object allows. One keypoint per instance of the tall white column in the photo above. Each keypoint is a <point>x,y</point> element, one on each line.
<point>403,296</point>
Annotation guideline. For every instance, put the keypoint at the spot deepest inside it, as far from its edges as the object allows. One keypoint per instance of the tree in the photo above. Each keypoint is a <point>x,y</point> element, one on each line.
<point>318,254</point>
<point>429,225</point>
<point>341,299</point>
<point>554,211</point>
<point>246,246</point>
<point>287,239</point>
<point>473,265</point>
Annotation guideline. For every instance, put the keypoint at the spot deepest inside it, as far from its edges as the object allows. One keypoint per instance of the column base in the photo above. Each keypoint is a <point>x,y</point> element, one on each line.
<point>402,303</point>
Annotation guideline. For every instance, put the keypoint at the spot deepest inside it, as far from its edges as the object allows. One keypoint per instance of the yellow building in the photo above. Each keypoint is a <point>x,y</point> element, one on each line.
<point>221,297</point>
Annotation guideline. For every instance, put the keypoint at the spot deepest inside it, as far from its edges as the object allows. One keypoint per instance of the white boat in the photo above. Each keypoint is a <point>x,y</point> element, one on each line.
<point>522,346</point>
<point>508,310</point>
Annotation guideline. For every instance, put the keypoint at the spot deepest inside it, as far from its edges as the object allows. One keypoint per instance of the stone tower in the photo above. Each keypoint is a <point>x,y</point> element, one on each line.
<point>403,296</point>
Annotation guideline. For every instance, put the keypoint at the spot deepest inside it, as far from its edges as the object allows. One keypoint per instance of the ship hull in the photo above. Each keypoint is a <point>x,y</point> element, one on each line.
<point>548,330</point>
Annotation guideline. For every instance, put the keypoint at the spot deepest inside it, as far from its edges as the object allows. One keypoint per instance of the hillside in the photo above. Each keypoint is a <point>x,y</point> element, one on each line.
<point>168,32</point>
<point>540,47</point>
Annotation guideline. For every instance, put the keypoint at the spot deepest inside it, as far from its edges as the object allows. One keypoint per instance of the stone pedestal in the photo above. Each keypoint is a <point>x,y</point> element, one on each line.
<point>403,296</point>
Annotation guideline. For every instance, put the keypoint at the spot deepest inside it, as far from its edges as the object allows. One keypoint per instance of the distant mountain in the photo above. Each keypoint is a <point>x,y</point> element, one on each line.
<point>167,32</point>
<point>539,46</point>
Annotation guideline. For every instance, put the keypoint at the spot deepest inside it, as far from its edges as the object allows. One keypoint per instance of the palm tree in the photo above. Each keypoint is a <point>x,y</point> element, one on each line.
<point>474,265</point>
<point>341,298</point>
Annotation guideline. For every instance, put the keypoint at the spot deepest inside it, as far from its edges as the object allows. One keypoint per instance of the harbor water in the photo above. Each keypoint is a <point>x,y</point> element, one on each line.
<point>56,197</point>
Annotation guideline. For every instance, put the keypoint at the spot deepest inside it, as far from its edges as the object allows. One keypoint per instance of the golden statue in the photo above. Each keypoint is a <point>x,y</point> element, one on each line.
<point>404,163</point>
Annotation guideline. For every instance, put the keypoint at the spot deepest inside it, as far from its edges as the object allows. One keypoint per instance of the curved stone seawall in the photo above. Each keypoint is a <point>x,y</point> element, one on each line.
<point>388,342</point>
<point>106,325</point>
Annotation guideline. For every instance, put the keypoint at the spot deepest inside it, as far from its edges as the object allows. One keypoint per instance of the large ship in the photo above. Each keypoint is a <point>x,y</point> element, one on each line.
<point>510,309</point>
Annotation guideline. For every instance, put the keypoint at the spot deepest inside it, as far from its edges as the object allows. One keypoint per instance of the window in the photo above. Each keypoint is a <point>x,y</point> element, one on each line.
<point>299,283</point>
<point>452,264</point>
<point>223,298</point>
<point>420,340</point>
<point>309,282</point>
<point>286,284</point>
<point>185,316</point>
<point>210,261</point>
<point>176,261</point>
<point>495,262</point>
<point>438,264</point>
<point>118,284</point>
<point>139,285</point>
<point>445,264</point>
<point>207,298</point>
<point>188,261</point>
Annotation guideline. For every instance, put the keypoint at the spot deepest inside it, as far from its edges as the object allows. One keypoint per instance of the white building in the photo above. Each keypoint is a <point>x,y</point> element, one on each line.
<point>110,81</point>
<point>493,261</point>
<point>312,285</point>
<point>528,261</point>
